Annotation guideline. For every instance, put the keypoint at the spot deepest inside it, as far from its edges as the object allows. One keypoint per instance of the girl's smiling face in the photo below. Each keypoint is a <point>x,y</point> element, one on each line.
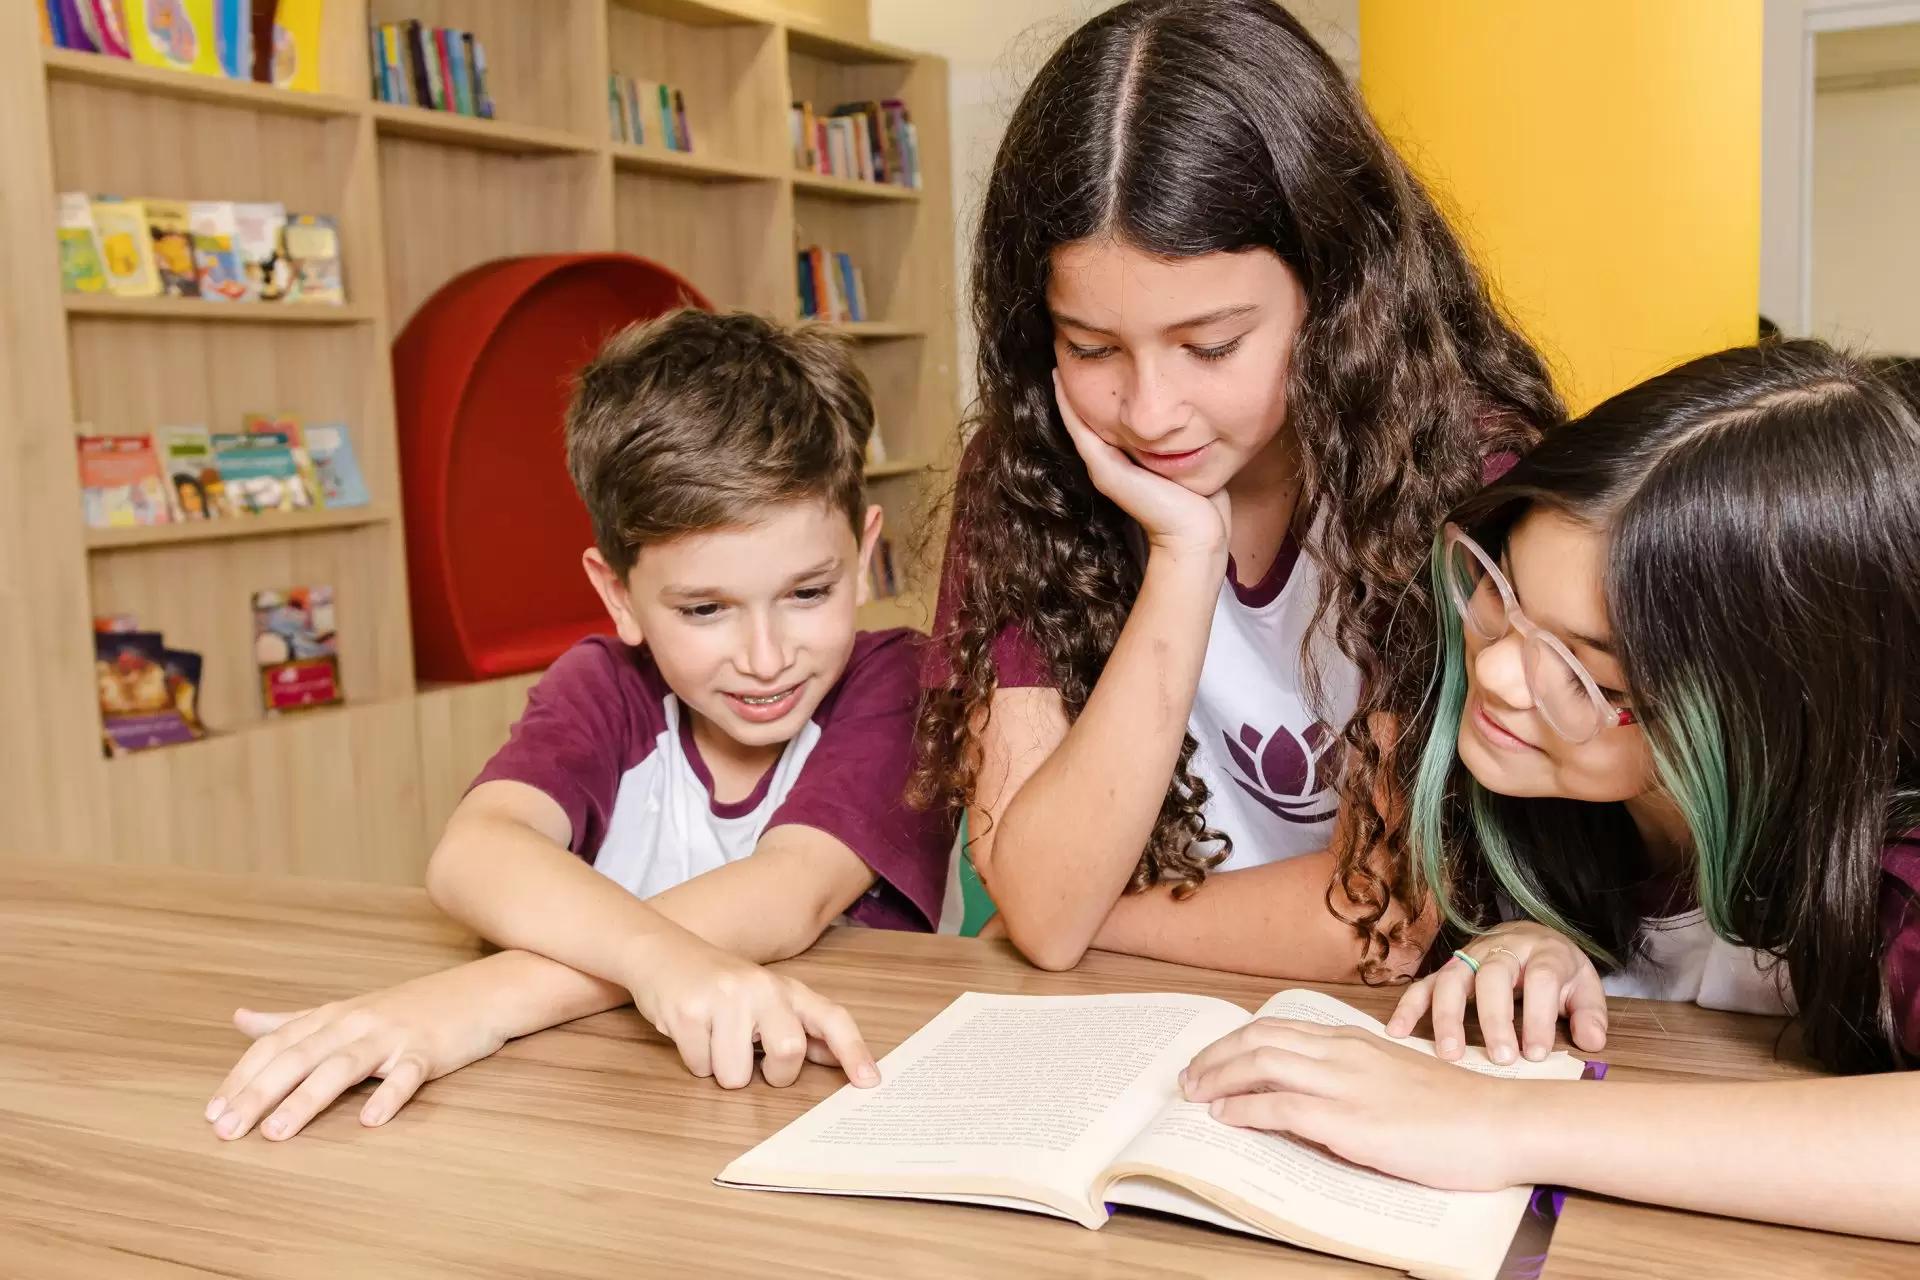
<point>1557,567</point>
<point>1180,363</point>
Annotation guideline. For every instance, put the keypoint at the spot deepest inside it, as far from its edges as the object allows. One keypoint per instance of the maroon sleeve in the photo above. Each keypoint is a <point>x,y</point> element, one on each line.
<point>593,716</point>
<point>853,786</point>
<point>1496,465</point>
<point>1900,927</point>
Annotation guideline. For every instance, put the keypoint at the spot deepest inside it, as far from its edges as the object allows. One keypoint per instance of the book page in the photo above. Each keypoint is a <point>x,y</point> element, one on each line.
<point>1000,1092</point>
<point>1304,1194</point>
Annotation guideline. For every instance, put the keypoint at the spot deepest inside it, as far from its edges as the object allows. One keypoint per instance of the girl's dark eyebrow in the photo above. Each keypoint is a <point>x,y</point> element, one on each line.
<point>1216,316</point>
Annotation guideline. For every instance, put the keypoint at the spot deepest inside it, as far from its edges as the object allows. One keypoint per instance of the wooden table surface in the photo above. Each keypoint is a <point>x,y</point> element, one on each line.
<point>588,1150</point>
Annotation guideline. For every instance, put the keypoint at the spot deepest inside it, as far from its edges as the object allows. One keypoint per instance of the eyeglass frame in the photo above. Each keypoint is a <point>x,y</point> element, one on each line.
<point>1606,715</point>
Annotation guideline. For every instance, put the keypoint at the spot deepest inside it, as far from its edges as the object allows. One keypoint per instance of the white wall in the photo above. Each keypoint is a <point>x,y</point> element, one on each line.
<point>993,48</point>
<point>1866,204</point>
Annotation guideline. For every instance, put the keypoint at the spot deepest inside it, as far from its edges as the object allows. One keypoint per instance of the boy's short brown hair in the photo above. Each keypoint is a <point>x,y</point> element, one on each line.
<point>697,421</point>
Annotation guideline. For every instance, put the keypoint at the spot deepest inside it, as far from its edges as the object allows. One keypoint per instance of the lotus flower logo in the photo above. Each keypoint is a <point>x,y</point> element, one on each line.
<point>1290,773</point>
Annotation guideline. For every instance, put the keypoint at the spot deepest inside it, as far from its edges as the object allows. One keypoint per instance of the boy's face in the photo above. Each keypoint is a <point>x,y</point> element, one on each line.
<point>751,626</point>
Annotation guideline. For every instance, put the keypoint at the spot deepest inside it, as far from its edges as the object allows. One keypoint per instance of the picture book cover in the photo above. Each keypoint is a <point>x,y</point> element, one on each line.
<point>259,478</point>
<point>265,273</point>
<point>139,708</point>
<point>341,484</point>
<point>295,647</point>
<point>281,429</point>
<point>126,248</point>
<point>171,230</point>
<point>214,257</point>
<point>312,243</point>
<point>81,269</point>
<point>233,37</point>
<point>120,484</point>
<point>193,481</point>
<point>175,34</point>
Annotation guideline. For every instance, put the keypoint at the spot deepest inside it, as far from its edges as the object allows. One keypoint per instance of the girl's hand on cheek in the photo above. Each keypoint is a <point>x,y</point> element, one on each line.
<point>1174,517</point>
<point>1365,1099</point>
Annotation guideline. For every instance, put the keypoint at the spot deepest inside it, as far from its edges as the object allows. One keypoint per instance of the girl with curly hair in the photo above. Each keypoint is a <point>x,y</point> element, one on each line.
<point>1234,370</point>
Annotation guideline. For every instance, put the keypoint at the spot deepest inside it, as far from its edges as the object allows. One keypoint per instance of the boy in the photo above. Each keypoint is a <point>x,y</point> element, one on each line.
<point>739,713</point>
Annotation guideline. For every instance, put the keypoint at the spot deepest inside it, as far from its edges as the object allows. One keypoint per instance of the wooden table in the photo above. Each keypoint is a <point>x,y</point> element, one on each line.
<point>588,1150</point>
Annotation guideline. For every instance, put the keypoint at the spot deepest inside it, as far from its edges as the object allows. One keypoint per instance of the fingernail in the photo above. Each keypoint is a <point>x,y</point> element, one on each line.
<point>371,1117</point>
<point>1535,1053</point>
<point>1215,1107</point>
<point>228,1126</point>
<point>1502,1054</point>
<point>867,1074</point>
<point>1396,1029</point>
<point>214,1109</point>
<point>275,1128</point>
<point>1449,1045</point>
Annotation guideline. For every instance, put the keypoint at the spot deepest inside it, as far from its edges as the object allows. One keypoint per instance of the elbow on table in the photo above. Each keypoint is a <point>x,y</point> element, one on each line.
<point>1046,946</point>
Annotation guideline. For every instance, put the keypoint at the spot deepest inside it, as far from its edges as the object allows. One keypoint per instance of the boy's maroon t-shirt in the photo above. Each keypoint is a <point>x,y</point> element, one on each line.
<point>606,738</point>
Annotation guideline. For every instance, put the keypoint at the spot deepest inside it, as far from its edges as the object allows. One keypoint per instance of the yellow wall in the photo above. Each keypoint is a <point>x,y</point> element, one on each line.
<point>1601,157</point>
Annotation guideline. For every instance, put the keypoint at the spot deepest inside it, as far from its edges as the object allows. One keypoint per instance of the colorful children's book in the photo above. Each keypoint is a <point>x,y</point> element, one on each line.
<point>101,24</point>
<point>120,484</point>
<point>138,705</point>
<point>126,247</point>
<point>233,30</point>
<point>171,229</point>
<point>176,34</point>
<point>272,429</point>
<point>194,488</point>
<point>341,484</point>
<point>296,45</point>
<point>294,645</point>
<point>265,272</point>
<point>312,243</point>
<point>214,256</point>
<point>80,266</point>
<point>259,478</point>
<point>69,31</point>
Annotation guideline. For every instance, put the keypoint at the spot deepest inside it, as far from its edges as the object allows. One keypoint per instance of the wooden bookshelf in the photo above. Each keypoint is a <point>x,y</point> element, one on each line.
<point>419,196</point>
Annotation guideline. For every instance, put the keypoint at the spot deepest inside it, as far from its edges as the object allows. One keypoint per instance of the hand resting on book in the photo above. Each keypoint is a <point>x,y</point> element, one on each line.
<point>1521,963</point>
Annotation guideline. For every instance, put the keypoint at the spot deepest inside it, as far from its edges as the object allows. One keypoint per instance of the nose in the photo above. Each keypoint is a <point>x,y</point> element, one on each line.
<point>1152,406</point>
<point>764,655</point>
<point>1501,669</point>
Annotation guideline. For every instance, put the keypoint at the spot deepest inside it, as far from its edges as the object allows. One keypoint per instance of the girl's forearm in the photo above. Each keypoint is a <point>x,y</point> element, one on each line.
<point>1072,835</point>
<point>1831,1154</point>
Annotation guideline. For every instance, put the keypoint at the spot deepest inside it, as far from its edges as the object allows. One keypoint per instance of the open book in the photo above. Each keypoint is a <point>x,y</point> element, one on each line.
<point>1070,1105</point>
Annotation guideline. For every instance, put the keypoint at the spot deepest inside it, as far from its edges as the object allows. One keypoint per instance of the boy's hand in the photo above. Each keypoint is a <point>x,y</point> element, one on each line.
<point>300,1062</point>
<point>715,1006</point>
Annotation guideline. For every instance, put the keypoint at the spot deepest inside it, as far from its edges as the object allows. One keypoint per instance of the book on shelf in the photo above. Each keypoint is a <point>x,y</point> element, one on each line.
<point>859,141</point>
<point>312,245</point>
<point>126,247</point>
<point>273,42</point>
<point>259,475</point>
<point>1070,1106</point>
<point>881,579</point>
<point>81,269</point>
<point>638,109</point>
<point>170,229</point>
<point>338,471</point>
<point>214,256</point>
<point>265,273</point>
<point>288,433</point>
<point>195,490</point>
<point>295,648</point>
<point>439,68</point>
<point>149,694</point>
<point>178,35</point>
<point>296,44</point>
<point>831,287</point>
<point>120,482</point>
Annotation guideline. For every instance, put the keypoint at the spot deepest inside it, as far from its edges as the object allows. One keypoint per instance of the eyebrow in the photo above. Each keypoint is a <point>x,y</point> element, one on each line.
<point>677,592</point>
<point>1216,316</point>
<point>1578,637</point>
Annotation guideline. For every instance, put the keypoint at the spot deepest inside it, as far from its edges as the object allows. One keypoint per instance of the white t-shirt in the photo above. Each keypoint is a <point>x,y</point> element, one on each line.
<point>1269,759</point>
<point>1683,959</point>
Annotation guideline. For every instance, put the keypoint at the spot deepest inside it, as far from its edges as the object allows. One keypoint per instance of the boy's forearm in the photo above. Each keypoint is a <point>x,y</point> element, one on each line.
<point>1269,920</point>
<point>531,993</point>
<point>1831,1154</point>
<point>1072,835</point>
<point>774,904</point>
<point>515,888</point>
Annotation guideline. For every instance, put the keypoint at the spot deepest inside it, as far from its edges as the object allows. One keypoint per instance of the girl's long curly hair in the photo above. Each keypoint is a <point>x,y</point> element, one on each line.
<point>1191,127</point>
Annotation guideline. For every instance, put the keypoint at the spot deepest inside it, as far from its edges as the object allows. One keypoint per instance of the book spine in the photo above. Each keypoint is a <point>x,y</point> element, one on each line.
<point>808,309</point>
<point>417,65</point>
<point>51,29</point>
<point>469,71</point>
<point>443,63</point>
<point>636,117</point>
<point>457,59</point>
<point>668,134</point>
<point>376,64</point>
<point>480,79</point>
<point>680,119</point>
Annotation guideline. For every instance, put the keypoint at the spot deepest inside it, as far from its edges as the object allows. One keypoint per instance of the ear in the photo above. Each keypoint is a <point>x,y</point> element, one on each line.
<point>869,539</point>
<point>613,594</point>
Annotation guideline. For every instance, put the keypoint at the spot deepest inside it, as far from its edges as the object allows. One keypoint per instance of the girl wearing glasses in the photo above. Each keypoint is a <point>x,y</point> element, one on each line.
<point>1673,751</point>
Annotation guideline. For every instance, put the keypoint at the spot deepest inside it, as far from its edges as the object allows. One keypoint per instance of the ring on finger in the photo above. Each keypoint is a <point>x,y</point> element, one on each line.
<point>1467,960</point>
<point>1509,951</point>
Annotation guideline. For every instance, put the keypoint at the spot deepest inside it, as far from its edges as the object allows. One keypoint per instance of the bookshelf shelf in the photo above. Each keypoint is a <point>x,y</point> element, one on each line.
<point>851,188</point>
<point>875,330</point>
<point>694,13</point>
<point>846,49</point>
<point>194,309</point>
<point>628,158</point>
<point>900,467</point>
<point>395,121</point>
<point>120,73</point>
<point>260,526</point>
